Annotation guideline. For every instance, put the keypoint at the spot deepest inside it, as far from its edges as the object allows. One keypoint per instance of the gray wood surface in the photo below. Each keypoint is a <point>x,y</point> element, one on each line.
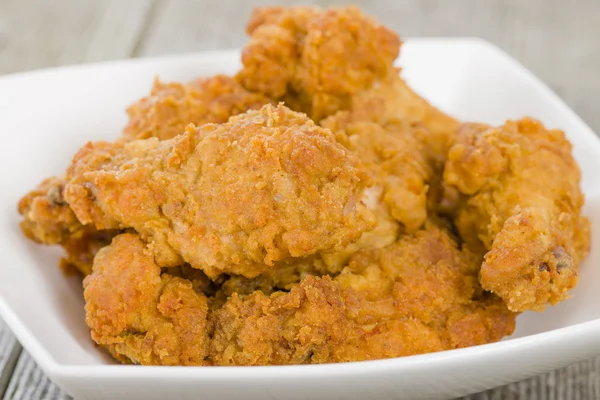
<point>556,39</point>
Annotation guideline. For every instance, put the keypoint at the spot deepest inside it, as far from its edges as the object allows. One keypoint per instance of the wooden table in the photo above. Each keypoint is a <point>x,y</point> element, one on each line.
<point>556,39</point>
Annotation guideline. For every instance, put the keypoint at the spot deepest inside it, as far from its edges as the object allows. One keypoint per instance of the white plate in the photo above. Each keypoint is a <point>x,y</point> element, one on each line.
<point>46,116</point>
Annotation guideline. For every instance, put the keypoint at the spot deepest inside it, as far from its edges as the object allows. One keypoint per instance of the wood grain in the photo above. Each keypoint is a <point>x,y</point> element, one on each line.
<point>30,383</point>
<point>41,33</point>
<point>557,40</point>
<point>10,350</point>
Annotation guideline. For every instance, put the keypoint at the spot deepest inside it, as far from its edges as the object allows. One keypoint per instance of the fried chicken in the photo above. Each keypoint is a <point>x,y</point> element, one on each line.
<point>311,209</point>
<point>229,198</point>
<point>324,61</point>
<point>396,161</point>
<point>337,65</point>
<point>140,315</point>
<point>523,208</point>
<point>415,296</point>
<point>170,107</point>
<point>81,248</point>
<point>48,219</point>
<point>315,60</point>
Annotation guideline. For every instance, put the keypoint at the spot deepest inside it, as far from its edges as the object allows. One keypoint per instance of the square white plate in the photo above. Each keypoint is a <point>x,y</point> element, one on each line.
<point>46,116</point>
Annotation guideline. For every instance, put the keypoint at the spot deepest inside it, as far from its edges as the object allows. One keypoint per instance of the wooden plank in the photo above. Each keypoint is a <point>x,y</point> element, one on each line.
<point>578,381</point>
<point>30,383</point>
<point>9,354</point>
<point>38,33</point>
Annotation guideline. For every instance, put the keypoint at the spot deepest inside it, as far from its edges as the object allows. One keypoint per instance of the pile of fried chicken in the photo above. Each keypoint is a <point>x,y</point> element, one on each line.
<point>311,209</point>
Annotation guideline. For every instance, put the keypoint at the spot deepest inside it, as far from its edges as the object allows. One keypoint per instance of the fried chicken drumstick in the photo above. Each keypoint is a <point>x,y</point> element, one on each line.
<point>523,208</point>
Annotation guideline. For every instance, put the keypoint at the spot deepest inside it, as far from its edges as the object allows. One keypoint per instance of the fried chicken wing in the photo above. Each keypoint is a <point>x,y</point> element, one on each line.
<point>140,315</point>
<point>415,296</point>
<point>229,198</point>
<point>523,208</point>
<point>170,107</point>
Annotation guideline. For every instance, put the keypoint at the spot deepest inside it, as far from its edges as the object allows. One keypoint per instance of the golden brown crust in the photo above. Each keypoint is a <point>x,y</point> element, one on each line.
<point>396,161</point>
<point>415,296</point>
<point>324,61</point>
<point>170,107</point>
<point>47,218</point>
<point>140,315</point>
<point>524,206</point>
<point>233,198</point>
<point>315,60</point>
<point>81,248</point>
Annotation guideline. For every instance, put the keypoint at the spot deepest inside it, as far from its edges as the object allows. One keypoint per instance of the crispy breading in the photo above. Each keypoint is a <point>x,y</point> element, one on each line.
<point>393,101</point>
<point>523,208</point>
<point>170,107</point>
<point>229,198</point>
<point>338,65</point>
<point>81,248</point>
<point>315,60</point>
<point>415,296</point>
<point>324,61</point>
<point>396,161</point>
<point>283,276</point>
<point>141,315</point>
<point>47,218</point>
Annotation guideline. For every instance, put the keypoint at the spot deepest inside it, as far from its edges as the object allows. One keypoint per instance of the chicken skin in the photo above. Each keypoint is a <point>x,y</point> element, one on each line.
<point>230,198</point>
<point>415,296</point>
<point>523,207</point>
<point>140,315</point>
